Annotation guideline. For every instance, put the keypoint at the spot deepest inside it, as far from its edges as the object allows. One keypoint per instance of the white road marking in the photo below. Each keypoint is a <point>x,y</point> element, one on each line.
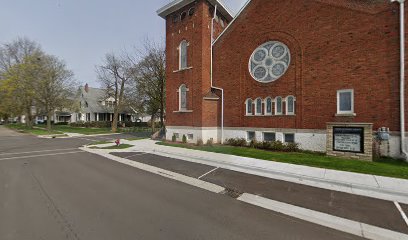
<point>42,155</point>
<point>341,224</point>
<point>404,216</point>
<point>135,155</point>
<point>54,150</point>
<point>205,174</point>
<point>162,172</point>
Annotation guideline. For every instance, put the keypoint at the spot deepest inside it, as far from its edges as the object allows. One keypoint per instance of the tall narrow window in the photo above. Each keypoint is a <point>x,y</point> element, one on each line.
<point>268,106</point>
<point>345,101</point>
<point>248,107</point>
<point>183,54</point>
<point>278,107</point>
<point>290,105</point>
<point>183,98</point>
<point>258,106</point>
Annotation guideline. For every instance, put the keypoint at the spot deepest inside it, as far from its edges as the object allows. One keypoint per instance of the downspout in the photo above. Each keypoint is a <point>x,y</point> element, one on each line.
<point>211,76</point>
<point>402,77</point>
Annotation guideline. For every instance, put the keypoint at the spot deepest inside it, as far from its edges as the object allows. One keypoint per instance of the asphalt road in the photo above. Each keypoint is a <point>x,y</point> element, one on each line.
<point>49,190</point>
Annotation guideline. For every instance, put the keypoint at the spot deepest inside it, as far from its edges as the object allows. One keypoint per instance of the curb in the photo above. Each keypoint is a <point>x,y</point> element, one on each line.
<point>363,190</point>
<point>319,218</point>
<point>323,219</point>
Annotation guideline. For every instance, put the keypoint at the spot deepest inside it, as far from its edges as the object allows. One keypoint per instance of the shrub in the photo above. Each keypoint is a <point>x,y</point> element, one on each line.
<point>200,142</point>
<point>174,138</point>
<point>184,138</point>
<point>61,124</point>
<point>277,146</point>
<point>237,142</point>
<point>291,147</point>
<point>210,142</point>
<point>253,144</point>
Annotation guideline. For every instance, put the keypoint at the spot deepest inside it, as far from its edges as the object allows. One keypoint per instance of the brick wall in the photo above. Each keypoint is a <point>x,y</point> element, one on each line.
<point>334,45</point>
<point>196,30</point>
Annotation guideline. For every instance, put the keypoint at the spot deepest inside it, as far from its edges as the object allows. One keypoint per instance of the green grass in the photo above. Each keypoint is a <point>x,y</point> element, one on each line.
<point>35,131</point>
<point>383,167</point>
<point>101,142</point>
<point>122,146</point>
<point>85,131</point>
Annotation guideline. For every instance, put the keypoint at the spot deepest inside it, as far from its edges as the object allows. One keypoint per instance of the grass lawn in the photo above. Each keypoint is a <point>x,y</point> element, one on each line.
<point>121,146</point>
<point>382,167</point>
<point>85,131</point>
<point>100,142</point>
<point>35,131</point>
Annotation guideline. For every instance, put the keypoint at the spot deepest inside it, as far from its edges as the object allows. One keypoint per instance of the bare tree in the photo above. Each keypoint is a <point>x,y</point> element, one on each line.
<point>54,87</point>
<point>114,75</point>
<point>150,80</point>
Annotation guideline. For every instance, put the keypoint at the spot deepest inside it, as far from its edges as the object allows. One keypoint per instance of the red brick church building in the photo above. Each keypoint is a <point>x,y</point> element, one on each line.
<point>322,73</point>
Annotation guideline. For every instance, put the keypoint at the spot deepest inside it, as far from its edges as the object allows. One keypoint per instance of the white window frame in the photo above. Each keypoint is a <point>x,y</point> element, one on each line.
<point>287,105</point>
<point>266,106</point>
<point>263,135</point>
<point>351,112</point>
<point>246,107</point>
<point>247,135</point>
<point>276,106</point>
<point>179,95</point>
<point>284,137</point>
<point>256,106</point>
<point>180,48</point>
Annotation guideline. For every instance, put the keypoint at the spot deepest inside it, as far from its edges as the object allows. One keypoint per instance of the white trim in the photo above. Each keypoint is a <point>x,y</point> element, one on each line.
<point>256,107</point>
<point>246,107</point>
<point>276,106</point>
<point>233,20</point>
<point>351,112</point>
<point>266,106</point>
<point>180,48</point>
<point>179,95</point>
<point>177,4</point>
<point>287,105</point>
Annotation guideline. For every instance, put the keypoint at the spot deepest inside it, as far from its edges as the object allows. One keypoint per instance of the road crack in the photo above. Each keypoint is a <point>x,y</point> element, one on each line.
<point>56,213</point>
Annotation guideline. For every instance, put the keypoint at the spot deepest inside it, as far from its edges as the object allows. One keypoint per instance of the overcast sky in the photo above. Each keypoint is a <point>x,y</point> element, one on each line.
<point>82,31</point>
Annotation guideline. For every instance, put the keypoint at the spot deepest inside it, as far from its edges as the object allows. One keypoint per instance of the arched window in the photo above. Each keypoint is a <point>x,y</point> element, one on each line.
<point>258,106</point>
<point>249,107</point>
<point>183,54</point>
<point>268,106</point>
<point>290,105</point>
<point>278,106</point>
<point>183,97</point>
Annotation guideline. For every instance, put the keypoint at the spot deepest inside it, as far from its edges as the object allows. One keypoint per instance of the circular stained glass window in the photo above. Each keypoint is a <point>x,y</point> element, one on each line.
<point>269,62</point>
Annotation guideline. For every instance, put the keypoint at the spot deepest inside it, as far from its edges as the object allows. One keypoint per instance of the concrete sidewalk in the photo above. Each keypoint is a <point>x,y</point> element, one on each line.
<point>386,188</point>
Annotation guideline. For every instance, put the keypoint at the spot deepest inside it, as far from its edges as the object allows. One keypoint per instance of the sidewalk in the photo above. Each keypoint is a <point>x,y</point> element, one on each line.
<point>385,188</point>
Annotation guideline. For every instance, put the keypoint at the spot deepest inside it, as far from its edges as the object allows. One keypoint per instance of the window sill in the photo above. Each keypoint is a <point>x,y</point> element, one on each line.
<point>183,69</point>
<point>268,115</point>
<point>183,111</point>
<point>345,115</point>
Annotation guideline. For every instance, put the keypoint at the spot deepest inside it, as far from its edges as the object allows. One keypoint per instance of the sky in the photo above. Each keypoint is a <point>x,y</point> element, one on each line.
<point>81,32</point>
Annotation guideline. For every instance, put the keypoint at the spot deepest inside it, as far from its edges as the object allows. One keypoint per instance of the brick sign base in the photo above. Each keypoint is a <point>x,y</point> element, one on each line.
<point>347,141</point>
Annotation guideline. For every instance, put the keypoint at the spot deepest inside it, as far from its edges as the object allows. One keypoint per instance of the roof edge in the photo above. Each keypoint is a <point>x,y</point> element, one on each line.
<point>233,20</point>
<point>177,4</point>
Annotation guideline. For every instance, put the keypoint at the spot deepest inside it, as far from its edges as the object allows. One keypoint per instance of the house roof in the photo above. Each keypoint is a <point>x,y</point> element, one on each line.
<point>93,98</point>
<point>177,4</point>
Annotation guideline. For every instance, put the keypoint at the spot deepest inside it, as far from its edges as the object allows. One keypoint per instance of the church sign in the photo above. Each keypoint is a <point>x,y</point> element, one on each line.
<point>348,139</point>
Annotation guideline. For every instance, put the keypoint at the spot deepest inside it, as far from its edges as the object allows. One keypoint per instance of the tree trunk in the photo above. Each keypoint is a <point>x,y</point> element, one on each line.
<point>115,121</point>
<point>28,119</point>
<point>49,121</point>
<point>152,121</point>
